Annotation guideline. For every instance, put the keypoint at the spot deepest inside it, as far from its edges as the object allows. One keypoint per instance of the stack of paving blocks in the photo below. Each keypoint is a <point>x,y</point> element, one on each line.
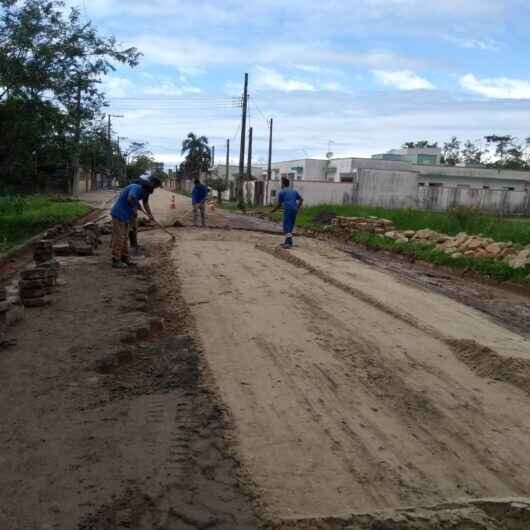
<point>43,251</point>
<point>36,284</point>
<point>4,306</point>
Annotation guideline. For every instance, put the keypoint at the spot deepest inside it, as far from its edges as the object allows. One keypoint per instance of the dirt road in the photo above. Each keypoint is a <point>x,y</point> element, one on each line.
<point>294,390</point>
<point>351,391</point>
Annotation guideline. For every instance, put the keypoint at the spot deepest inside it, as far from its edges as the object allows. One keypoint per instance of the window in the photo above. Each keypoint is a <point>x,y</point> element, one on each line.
<point>346,177</point>
<point>435,184</point>
<point>421,184</point>
<point>273,193</point>
<point>509,188</point>
<point>485,187</point>
<point>299,177</point>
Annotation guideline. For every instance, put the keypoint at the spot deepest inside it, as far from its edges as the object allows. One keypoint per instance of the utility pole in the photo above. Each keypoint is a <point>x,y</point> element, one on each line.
<point>227,177</point>
<point>77,139</point>
<point>109,140</point>
<point>249,161</point>
<point>213,155</point>
<point>240,200</point>
<point>269,165</point>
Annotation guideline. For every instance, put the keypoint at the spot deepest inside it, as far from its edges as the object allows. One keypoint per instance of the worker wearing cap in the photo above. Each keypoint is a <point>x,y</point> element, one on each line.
<point>123,213</point>
<point>149,184</point>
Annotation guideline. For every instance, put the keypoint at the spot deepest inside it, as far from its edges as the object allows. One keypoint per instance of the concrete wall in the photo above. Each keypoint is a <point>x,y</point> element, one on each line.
<point>391,189</point>
<point>315,193</point>
<point>496,201</point>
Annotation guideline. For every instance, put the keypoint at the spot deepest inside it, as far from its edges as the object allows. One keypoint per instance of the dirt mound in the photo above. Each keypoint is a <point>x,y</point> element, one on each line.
<point>488,363</point>
<point>479,514</point>
<point>324,218</point>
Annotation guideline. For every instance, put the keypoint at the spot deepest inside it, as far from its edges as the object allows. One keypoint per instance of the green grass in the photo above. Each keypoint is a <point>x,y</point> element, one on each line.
<point>426,252</point>
<point>24,217</point>
<point>458,220</point>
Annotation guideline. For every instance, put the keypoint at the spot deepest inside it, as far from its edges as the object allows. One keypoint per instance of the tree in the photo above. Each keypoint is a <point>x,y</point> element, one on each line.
<point>422,144</point>
<point>198,155</point>
<point>472,154</point>
<point>50,67</point>
<point>139,165</point>
<point>501,143</point>
<point>220,185</point>
<point>451,151</point>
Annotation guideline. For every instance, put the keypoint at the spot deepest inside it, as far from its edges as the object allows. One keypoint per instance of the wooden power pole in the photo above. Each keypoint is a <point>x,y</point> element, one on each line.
<point>240,200</point>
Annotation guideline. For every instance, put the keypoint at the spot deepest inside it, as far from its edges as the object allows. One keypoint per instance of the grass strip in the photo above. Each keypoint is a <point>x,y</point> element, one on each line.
<point>21,218</point>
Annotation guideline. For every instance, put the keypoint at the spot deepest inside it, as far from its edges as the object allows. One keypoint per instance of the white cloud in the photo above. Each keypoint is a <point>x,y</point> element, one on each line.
<point>170,89</point>
<point>479,44</point>
<point>403,80</point>
<point>117,87</point>
<point>269,78</point>
<point>497,87</point>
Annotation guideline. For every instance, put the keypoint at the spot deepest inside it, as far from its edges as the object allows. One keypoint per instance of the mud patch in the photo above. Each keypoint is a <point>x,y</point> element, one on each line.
<point>488,363</point>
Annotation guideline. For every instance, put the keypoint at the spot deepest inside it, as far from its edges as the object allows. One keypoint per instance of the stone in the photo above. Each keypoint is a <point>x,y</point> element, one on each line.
<point>493,249</point>
<point>474,244</point>
<point>4,306</point>
<point>36,302</point>
<point>450,251</point>
<point>461,238</point>
<point>480,253</point>
<point>390,235</point>
<point>36,274</point>
<point>82,249</point>
<point>409,233</point>
<point>469,253</point>
<point>427,234</point>
<point>62,249</point>
<point>402,240</point>
<point>457,255</point>
<point>37,284</point>
<point>35,293</point>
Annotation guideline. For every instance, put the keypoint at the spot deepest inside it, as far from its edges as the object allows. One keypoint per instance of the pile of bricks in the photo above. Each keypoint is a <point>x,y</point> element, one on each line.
<point>4,306</point>
<point>374,225</point>
<point>82,241</point>
<point>36,284</point>
<point>43,251</point>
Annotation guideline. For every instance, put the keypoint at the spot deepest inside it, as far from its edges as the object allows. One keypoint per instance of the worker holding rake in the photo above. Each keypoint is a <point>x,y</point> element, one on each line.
<point>123,213</point>
<point>291,201</point>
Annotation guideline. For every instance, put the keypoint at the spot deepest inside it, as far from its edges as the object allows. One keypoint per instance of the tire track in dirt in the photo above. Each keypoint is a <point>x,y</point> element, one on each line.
<point>483,360</point>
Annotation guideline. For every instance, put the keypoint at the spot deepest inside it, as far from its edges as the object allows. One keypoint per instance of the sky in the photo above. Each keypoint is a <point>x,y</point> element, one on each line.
<point>357,77</point>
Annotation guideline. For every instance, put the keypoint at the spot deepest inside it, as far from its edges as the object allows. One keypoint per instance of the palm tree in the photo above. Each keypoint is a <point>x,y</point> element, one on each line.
<point>198,155</point>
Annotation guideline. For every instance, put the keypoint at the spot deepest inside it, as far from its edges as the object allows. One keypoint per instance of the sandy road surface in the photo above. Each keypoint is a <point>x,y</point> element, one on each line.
<point>345,392</point>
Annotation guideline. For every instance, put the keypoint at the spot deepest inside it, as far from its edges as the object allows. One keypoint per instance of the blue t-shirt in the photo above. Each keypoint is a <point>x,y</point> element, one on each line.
<point>122,210</point>
<point>199,193</point>
<point>289,198</point>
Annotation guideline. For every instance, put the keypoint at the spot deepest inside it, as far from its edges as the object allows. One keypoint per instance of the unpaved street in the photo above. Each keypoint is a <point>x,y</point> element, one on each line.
<point>227,384</point>
<point>352,391</point>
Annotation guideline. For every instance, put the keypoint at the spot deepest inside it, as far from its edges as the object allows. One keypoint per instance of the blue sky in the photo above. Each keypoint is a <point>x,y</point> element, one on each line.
<point>368,75</point>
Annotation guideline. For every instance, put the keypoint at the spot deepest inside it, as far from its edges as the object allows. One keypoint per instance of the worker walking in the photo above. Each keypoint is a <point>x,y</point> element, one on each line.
<point>199,196</point>
<point>291,201</point>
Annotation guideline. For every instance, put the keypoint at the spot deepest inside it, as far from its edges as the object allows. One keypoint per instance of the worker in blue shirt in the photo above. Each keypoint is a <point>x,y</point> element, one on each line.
<point>291,201</point>
<point>199,196</point>
<point>122,214</point>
